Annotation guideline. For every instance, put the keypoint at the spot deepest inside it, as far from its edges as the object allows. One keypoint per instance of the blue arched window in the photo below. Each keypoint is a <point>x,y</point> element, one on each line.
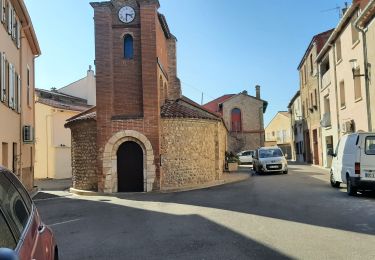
<point>128,47</point>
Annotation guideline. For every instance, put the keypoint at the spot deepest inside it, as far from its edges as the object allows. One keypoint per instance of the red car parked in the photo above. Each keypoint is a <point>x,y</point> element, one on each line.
<point>21,228</point>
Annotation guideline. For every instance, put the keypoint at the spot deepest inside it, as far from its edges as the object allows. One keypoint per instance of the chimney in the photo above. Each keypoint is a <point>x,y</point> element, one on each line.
<point>257,90</point>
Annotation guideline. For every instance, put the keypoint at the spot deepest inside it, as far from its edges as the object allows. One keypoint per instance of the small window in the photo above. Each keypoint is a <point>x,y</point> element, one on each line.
<point>128,47</point>
<point>370,145</point>
<point>6,237</point>
<point>13,205</point>
<point>338,50</point>
<point>342,94</point>
<point>236,120</point>
<point>355,33</point>
<point>357,85</point>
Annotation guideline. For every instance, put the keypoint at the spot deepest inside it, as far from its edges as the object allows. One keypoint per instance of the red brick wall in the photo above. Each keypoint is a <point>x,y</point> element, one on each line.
<point>127,88</point>
<point>162,46</point>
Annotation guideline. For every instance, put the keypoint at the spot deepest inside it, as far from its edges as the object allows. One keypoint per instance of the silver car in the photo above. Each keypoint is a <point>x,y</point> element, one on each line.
<point>270,159</point>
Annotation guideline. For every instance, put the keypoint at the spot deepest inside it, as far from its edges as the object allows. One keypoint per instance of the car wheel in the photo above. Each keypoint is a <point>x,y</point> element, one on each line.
<point>285,172</point>
<point>56,256</point>
<point>334,183</point>
<point>350,189</point>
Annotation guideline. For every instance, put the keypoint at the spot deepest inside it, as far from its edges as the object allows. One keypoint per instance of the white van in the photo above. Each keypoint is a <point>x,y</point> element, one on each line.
<point>354,162</point>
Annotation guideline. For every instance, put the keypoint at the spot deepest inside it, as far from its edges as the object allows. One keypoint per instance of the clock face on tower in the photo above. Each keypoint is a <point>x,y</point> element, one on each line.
<point>126,14</point>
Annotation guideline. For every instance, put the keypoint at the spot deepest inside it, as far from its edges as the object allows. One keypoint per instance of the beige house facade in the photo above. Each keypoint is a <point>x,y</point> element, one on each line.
<point>343,93</point>
<point>52,139</point>
<point>18,49</point>
<point>309,89</point>
<point>279,131</point>
<point>296,122</point>
<point>366,24</point>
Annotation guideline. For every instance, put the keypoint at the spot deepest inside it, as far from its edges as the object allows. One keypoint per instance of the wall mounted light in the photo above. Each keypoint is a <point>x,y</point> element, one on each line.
<point>354,64</point>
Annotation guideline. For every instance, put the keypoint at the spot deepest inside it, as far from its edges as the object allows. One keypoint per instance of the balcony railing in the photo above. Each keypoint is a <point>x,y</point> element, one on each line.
<point>326,79</point>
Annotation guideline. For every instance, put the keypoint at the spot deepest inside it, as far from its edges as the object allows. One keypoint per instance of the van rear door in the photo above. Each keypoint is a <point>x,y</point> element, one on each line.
<point>368,158</point>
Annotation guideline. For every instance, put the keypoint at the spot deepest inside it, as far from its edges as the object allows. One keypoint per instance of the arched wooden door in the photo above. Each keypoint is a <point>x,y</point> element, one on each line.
<point>130,168</point>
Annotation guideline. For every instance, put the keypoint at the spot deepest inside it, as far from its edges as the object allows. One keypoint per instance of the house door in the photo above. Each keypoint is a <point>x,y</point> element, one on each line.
<point>307,147</point>
<point>316,147</point>
<point>130,168</point>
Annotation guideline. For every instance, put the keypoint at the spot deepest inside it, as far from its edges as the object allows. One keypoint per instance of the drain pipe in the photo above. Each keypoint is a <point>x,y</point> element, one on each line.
<point>367,79</point>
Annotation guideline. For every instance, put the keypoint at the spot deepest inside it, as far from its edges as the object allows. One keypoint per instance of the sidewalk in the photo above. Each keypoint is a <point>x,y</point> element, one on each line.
<point>308,164</point>
<point>53,185</point>
<point>241,175</point>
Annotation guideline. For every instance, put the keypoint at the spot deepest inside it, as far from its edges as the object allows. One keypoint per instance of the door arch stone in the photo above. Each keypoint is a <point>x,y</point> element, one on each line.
<point>110,160</point>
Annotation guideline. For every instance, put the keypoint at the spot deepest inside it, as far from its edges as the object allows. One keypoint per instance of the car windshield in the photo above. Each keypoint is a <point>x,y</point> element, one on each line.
<point>270,153</point>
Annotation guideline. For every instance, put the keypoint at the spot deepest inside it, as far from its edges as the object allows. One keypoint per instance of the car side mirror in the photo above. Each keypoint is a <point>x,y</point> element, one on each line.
<point>331,153</point>
<point>8,254</point>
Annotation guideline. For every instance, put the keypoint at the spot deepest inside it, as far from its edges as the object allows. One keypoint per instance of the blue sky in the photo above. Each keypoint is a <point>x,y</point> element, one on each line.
<point>223,46</point>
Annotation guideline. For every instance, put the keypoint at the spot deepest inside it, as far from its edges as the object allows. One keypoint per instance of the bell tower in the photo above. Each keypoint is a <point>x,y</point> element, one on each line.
<point>129,40</point>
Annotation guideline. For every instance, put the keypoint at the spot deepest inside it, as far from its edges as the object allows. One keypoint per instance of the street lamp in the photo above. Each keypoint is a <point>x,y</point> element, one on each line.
<point>354,64</point>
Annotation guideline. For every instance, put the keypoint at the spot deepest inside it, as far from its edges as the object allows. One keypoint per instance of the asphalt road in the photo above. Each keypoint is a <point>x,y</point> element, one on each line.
<point>294,216</point>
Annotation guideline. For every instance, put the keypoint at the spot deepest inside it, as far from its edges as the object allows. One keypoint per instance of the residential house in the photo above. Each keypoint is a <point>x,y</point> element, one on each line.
<point>309,88</point>
<point>279,131</point>
<point>343,92</point>
<point>243,116</point>
<point>84,88</point>
<point>296,121</point>
<point>366,25</point>
<point>18,49</point>
<point>52,139</point>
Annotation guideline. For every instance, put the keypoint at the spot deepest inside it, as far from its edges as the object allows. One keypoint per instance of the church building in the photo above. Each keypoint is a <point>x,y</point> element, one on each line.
<point>143,135</point>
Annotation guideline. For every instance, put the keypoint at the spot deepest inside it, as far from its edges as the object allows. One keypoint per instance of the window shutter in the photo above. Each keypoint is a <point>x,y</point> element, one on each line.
<point>2,77</point>
<point>19,93</point>
<point>14,23</point>
<point>11,87</point>
<point>18,34</point>
<point>9,18</point>
<point>1,10</point>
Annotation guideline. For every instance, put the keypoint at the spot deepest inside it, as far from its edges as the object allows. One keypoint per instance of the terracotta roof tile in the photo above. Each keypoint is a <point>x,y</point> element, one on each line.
<point>213,106</point>
<point>182,109</point>
<point>63,105</point>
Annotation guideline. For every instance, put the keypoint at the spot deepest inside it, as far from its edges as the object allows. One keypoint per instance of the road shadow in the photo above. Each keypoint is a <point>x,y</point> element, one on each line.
<point>103,230</point>
<point>296,197</point>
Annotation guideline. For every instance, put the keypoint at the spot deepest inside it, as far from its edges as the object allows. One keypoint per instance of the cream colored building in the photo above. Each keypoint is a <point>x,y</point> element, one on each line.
<point>279,131</point>
<point>297,142</point>
<point>366,24</point>
<point>311,106</point>
<point>84,88</point>
<point>343,96</point>
<point>53,140</point>
<point>18,49</point>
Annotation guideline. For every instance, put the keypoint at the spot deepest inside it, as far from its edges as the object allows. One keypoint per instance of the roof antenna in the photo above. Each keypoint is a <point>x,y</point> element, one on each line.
<point>338,9</point>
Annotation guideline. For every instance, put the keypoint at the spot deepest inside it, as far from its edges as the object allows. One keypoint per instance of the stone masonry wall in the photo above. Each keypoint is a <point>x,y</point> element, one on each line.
<point>84,156</point>
<point>192,152</point>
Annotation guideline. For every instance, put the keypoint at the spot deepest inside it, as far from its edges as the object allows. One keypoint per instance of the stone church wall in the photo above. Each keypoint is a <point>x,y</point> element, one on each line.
<point>84,156</point>
<point>193,152</point>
